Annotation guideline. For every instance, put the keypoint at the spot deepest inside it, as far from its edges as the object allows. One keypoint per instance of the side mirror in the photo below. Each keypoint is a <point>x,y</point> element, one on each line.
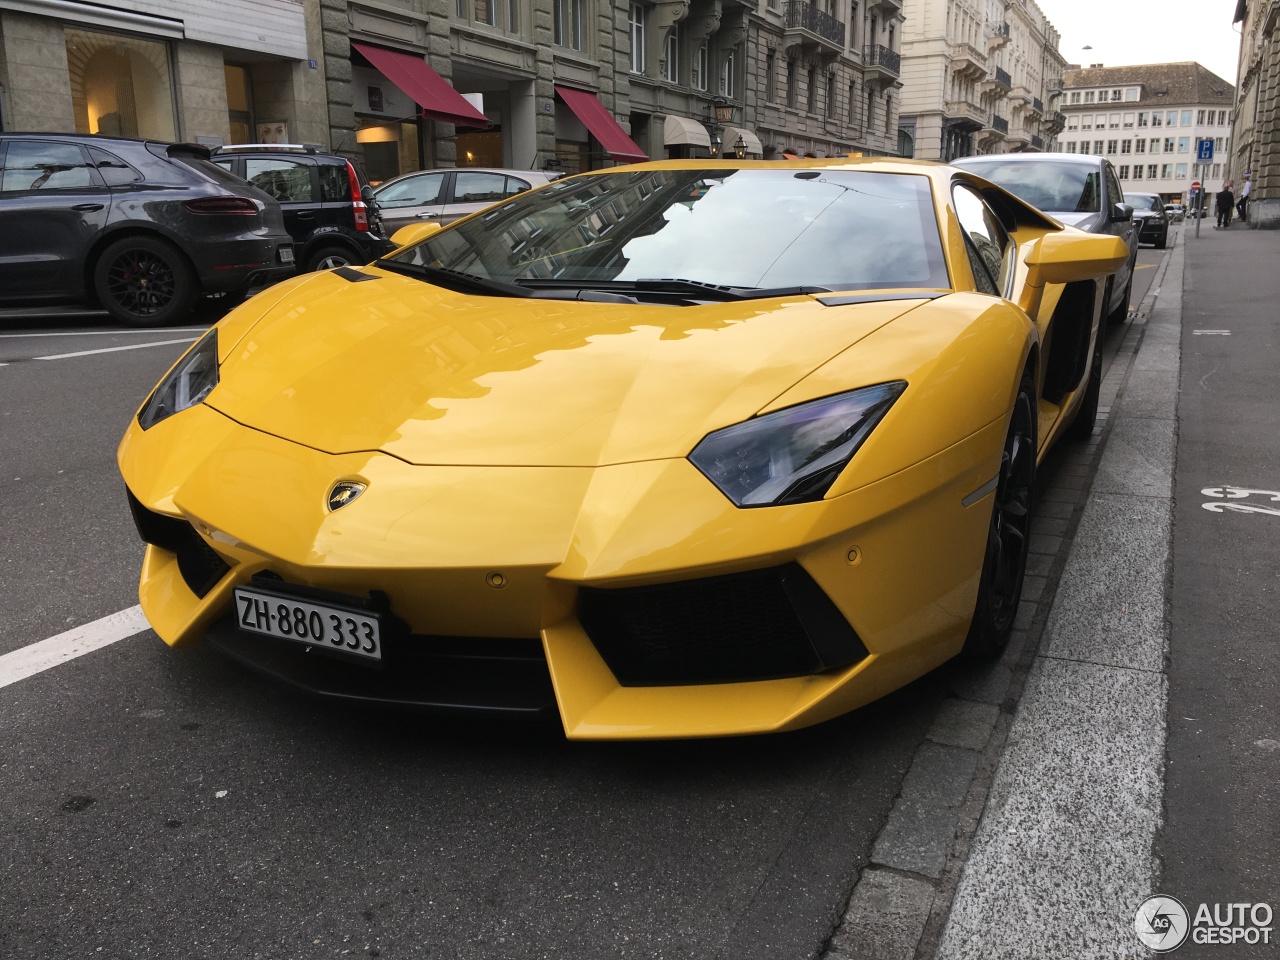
<point>1072,255</point>
<point>413,233</point>
<point>1121,212</point>
<point>366,194</point>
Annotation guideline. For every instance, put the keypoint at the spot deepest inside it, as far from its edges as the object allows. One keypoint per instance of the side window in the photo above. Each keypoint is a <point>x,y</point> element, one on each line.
<point>112,169</point>
<point>514,186</point>
<point>478,187</point>
<point>283,180</point>
<point>335,185</point>
<point>1114,193</point>
<point>412,191</point>
<point>45,165</point>
<point>989,247</point>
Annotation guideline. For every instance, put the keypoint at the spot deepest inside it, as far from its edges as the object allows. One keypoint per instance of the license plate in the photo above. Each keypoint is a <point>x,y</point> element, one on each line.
<point>286,254</point>
<point>324,625</point>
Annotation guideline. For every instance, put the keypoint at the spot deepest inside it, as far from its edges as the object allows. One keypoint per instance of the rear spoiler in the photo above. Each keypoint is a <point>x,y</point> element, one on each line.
<point>171,151</point>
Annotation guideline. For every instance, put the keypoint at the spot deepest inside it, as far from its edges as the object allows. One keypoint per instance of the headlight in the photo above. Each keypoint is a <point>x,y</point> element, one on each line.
<point>793,455</point>
<point>186,385</point>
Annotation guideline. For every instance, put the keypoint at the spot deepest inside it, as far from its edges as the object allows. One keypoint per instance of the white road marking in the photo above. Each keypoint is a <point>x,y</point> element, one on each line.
<point>40,656</point>
<point>98,333</point>
<point>1211,333</point>
<point>135,346</point>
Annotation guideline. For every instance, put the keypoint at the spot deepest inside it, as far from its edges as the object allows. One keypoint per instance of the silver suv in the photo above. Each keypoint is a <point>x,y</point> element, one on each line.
<point>443,196</point>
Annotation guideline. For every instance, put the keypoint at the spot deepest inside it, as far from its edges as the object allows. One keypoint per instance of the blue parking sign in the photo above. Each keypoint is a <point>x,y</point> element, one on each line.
<point>1204,150</point>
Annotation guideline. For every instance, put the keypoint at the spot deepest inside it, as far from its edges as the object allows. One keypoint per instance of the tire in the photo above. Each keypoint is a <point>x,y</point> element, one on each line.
<point>1164,240</point>
<point>326,258</point>
<point>1004,561</point>
<point>144,282</point>
<point>1121,313</point>
<point>1081,428</point>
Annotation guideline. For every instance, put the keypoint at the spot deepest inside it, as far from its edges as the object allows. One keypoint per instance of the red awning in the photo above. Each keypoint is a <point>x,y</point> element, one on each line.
<point>429,90</point>
<point>588,108</point>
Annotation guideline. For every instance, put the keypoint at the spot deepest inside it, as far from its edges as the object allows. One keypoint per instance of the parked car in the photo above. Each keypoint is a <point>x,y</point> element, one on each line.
<point>1175,211</point>
<point>1079,190</point>
<point>326,200</point>
<point>1149,217</point>
<point>683,449</point>
<point>443,196</point>
<point>139,227</point>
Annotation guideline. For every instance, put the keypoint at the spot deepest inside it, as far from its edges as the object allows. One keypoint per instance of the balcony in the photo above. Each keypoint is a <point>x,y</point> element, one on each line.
<point>1055,123</point>
<point>880,64</point>
<point>992,135</point>
<point>1000,124</point>
<point>1019,95</point>
<point>964,115</point>
<point>967,61</point>
<point>1037,106</point>
<point>812,29</point>
<point>997,82</point>
<point>1037,142</point>
<point>997,36</point>
<point>888,8</point>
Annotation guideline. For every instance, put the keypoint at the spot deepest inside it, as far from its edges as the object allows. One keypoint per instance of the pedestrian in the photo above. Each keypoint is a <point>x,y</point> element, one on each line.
<point>1242,205</point>
<point>1226,203</point>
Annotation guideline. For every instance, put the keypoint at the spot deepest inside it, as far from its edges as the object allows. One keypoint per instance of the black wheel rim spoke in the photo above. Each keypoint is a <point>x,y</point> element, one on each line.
<point>141,282</point>
<point>1010,519</point>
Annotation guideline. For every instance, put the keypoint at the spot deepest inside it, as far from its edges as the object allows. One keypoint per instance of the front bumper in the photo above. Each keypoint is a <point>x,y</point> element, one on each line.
<point>635,597</point>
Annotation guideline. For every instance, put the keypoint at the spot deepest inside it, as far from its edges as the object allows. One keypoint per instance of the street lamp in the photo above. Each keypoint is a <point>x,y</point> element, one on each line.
<point>740,148</point>
<point>715,145</point>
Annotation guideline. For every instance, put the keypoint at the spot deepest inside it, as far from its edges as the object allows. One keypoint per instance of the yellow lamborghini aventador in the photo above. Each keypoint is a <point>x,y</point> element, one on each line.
<point>682,449</point>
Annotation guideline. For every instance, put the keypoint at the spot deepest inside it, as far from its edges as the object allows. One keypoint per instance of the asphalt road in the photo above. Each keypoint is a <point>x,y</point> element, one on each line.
<point>168,804</point>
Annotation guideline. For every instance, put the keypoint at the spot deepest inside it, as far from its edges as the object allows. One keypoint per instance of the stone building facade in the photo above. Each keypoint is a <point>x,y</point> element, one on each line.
<point>980,76</point>
<point>1256,128</point>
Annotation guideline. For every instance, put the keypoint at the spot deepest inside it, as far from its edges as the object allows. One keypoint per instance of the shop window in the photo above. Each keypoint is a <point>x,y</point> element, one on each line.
<point>120,86</point>
<point>239,111</point>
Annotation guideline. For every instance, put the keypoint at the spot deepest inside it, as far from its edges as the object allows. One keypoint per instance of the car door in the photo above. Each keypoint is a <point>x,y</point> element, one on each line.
<point>417,198</point>
<point>53,205</point>
<point>1126,230</point>
<point>476,189</point>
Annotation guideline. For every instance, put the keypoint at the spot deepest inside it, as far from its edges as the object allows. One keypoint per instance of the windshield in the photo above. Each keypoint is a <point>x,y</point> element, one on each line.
<point>745,228</point>
<point>1140,202</point>
<point>1049,185</point>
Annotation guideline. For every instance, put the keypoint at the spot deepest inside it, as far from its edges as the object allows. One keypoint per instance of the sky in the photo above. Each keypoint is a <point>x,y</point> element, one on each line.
<point>1127,32</point>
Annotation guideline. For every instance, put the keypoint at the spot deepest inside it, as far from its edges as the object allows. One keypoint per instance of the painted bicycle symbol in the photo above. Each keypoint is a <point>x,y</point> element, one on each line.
<point>1228,499</point>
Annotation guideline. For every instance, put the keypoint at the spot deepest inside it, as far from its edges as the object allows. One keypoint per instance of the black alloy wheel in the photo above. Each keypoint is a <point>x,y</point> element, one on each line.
<point>1081,428</point>
<point>1009,534</point>
<point>144,282</point>
<point>1121,312</point>
<point>1164,239</point>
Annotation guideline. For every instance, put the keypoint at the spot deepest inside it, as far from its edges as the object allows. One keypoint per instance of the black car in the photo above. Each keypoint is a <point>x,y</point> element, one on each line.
<point>327,201</point>
<point>139,227</point>
<point>1150,217</point>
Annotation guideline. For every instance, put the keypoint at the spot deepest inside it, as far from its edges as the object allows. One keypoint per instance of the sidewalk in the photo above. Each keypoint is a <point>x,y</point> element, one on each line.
<point>1034,802</point>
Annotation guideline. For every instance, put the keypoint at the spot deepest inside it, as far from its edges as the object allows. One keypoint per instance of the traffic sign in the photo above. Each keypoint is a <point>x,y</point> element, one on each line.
<point>1204,150</point>
<point>1195,184</point>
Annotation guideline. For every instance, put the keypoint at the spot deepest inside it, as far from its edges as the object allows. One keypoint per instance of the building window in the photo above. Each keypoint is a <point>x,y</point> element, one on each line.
<point>1151,171</point>
<point>120,86</point>
<point>1184,144</point>
<point>770,68</point>
<point>1200,118</point>
<point>636,18</point>
<point>1075,97</point>
<point>871,111</point>
<point>1086,123</point>
<point>1115,96</point>
<point>1099,121</point>
<point>1168,144</point>
<point>699,79</point>
<point>1140,146</point>
<point>1217,170</point>
<point>1186,118</point>
<point>791,83</point>
<point>671,57</point>
<point>1222,118</point>
<point>1069,147</point>
<point>481,10</point>
<point>1073,124</point>
<point>1124,172</point>
<point>726,75</point>
<point>1217,144</point>
<point>1126,146</point>
<point>1088,96</point>
<point>1171,118</point>
<point>1142,118</point>
<point>1157,119</point>
<point>811,92</point>
<point>853,98</point>
<point>1131,94</point>
<point>1111,146</point>
<point>1128,121</point>
<point>888,114</point>
<point>1137,172</point>
<point>1097,146</point>
<point>1181,172</point>
<point>566,23</point>
<point>831,96</point>
<point>1166,171</point>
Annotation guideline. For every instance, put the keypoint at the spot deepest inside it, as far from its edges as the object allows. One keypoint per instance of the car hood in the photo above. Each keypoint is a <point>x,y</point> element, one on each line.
<point>436,377</point>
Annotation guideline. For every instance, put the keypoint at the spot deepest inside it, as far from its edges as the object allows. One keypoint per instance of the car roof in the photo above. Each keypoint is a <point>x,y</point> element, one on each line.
<point>1088,158</point>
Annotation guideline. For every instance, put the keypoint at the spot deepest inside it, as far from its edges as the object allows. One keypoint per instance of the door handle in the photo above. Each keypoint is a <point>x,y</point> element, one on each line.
<point>426,216</point>
<point>88,207</point>
<point>305,216</point>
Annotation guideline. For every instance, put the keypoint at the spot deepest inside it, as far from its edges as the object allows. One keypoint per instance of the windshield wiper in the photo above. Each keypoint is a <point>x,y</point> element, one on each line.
<point>453,279</point>
<point>696,289</point>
